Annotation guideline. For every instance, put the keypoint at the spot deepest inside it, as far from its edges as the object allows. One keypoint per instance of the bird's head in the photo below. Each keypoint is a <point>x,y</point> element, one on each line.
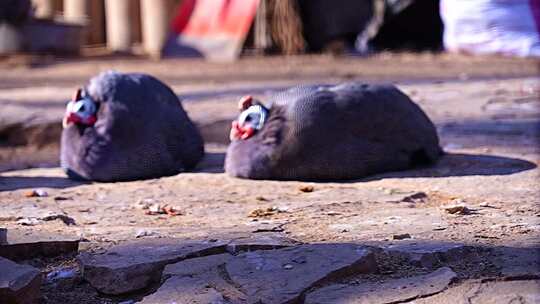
<point>252,117</point>
<point>81,110</point>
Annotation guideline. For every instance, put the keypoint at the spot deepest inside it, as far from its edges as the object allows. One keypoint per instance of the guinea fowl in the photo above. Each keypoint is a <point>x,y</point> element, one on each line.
<point>345,131</point>
<point>126,127</point>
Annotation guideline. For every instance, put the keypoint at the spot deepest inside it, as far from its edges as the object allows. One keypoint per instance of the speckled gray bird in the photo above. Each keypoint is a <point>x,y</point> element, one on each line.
<point>126,127</point>
<point>346,131</point>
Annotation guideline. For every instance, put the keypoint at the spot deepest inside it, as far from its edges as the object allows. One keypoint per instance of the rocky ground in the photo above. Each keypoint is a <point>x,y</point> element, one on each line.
<point>463,231</point>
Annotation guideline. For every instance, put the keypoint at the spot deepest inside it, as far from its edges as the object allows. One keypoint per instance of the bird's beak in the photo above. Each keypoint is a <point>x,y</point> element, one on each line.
<point>73,118</point>
<point>248,132</point>
<point>240,132</point>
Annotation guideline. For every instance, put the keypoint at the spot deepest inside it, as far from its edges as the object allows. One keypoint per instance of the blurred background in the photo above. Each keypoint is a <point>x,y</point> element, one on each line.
<point>227,29</point>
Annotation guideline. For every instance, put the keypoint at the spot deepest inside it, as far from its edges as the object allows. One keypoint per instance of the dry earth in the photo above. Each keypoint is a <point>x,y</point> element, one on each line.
<point>387,238</point>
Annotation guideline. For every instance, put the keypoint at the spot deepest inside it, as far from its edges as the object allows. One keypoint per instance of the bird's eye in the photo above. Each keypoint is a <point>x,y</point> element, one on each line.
<point>255,116</point>
<point>82,109</point>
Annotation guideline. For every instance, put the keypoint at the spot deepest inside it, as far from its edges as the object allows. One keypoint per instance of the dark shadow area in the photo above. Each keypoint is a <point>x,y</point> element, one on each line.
<point>40,134</point>
<point>418,28</point>
<point>9,183</point>
<point>449,165</point>
<point>463,165</point>
<point>216,132</point>
<point>342,21</point>
<point>174,48</point>
<point>211,163</point>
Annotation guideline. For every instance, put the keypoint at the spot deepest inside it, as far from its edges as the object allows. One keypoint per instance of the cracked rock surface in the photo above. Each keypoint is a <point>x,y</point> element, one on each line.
<point>19,284</point>
<point>476,292</point>
<point>432,255</point>
<point>185,290</point>
<point>197,280</point>
<point>133,266</point>
<point>269,276</point>
<point>282,276</point>
<point>393,291</point>
<point>30,244</point>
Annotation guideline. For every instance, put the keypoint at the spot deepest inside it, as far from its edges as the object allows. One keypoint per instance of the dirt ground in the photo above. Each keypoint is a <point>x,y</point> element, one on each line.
<point>487,113</point>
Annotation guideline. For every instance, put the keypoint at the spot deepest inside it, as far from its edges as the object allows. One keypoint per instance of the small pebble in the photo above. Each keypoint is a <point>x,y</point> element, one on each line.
<point>144,203</point>
<point>142,233</point>
<point>37,193</point>
<point>65,273</point>
<point>457,209</point>
<point>28,221</point>
<point>281,209</point>
<point>154,208</point>
<point>333,213</point>
<point>306,188</point>
<point>401,236</point>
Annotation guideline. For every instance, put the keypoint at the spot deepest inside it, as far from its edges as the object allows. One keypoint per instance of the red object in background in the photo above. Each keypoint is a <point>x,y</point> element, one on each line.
<point>184,13</point>
<point>214,28</point>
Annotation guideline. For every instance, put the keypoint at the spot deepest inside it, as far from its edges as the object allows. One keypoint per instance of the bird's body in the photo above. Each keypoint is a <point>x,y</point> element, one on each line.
<point>141,131</point>
<point>337,132</point>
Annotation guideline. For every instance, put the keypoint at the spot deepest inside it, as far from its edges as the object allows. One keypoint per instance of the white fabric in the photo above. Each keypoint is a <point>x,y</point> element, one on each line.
<point>505,27</point>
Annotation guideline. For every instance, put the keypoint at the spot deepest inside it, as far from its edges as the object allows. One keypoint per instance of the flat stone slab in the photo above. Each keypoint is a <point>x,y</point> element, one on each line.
<point>431,255</point>
<point>495,292</point>
<point>283,275</point>
<point>196,266</point>
<point>185,290</point>
<point>393,291</point>
<point>136,265</point>
<point>259,241</point>
<point>19,284</point>
<point>27,244</point>
<point>196,280</point>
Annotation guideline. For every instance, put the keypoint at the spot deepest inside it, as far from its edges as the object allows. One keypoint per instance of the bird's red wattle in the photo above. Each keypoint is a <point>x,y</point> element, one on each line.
<point>241,132</point>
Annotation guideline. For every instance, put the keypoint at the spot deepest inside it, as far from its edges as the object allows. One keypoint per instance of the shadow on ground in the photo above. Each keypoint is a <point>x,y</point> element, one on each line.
<point>456,164</point>
<point>213,162</point>
<point>453,164</point>
<point>9,183</point>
